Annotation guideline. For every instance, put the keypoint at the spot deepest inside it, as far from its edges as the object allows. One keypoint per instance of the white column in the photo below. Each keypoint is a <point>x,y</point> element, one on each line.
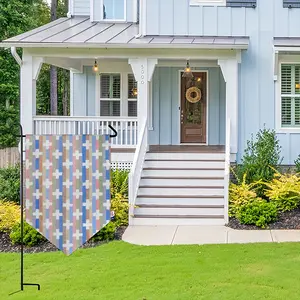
<point>143,69</point>
<point>29,73</point>
<point>229,69</point>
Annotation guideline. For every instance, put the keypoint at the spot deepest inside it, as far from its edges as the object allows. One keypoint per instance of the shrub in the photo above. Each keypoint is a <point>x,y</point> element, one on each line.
<point>31,236</point>
<point>119,183</point>
<point>240,194</point>
<point>259,155</point>
<point>9,216</point>
<point>284,191</point>
<point>297,164</point>
<point>258,212</point>
<point>120,208</point>
<point>10,184</point>
<point>107,233</point>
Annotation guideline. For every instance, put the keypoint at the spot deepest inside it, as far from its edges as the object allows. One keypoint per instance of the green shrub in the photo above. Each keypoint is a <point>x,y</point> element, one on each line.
<point>9,216</point>
<point>10,184</point>
<point>119,183</point>
<point>240,194</point>
<point>284,191</point>
<point>259,213</point>
<point>120,208</point>
<point>31,236</point>
<point>107,233</point>
<point>259,156</point>
<point>297,164</point>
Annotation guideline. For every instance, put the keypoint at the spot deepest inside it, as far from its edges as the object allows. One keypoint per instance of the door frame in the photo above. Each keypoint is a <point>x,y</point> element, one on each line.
<point>207,106</point>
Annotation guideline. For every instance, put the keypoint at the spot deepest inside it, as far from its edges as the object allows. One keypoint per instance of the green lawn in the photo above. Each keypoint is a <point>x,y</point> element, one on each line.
<point>122,271</point>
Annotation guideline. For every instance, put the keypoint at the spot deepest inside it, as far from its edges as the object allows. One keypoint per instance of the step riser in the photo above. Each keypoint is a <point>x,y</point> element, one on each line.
<point>175,222</point>
<point>180,201</point>
<point>181,191</point>
<point>184,164</point>
<point>183,156</point>
<point>180,211</point>
<point>182,182</point>
<point>183,173</point>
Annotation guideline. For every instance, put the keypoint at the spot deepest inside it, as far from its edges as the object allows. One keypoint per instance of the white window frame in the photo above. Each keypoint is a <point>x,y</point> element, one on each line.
<point>99,99</point>
<point>278,96</point>
<point>114,20</point>
<point>207,2</point>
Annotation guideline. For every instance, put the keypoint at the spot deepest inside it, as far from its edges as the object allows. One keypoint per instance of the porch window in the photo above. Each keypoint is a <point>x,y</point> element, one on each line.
<point>132,96</point>
<point>110,95</point>
<point>290,95</point>
<point>114,9</point>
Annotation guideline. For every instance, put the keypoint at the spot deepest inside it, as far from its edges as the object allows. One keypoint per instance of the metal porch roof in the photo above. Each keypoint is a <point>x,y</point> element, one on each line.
<point>81,32</point>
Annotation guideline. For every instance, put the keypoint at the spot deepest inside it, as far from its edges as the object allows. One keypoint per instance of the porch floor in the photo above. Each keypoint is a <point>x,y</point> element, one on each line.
<point>187,148</point>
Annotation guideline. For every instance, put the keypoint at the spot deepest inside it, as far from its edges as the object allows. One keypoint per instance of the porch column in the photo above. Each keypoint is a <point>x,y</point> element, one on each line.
<point>143,69</point>
<point>30,69</point>
<point>229,69</point>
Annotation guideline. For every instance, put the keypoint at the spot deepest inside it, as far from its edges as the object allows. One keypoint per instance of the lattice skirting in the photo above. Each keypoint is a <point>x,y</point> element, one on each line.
<point>123,165</point>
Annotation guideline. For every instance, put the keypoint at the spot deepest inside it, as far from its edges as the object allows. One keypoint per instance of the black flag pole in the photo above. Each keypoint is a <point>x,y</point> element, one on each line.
<point>21,136</point>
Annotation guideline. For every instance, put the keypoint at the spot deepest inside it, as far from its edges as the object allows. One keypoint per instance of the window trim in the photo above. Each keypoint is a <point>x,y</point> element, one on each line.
<point>207,2</point>
<point>114,20</point>
<point>278,96</point>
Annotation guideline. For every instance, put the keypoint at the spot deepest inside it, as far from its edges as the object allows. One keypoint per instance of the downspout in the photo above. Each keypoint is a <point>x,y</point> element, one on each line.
<point>141,16</point>
<point>16,56</point>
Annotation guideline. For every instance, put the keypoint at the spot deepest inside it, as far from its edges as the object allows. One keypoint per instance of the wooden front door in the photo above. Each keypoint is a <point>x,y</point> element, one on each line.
<point>193,112</point>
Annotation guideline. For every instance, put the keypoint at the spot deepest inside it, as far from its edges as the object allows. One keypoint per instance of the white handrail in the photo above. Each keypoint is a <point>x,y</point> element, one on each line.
<point>227,171</point>
<point>137,168</point>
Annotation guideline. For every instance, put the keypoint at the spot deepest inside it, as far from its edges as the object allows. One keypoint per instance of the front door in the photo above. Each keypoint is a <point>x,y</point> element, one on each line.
<point>193,108</point>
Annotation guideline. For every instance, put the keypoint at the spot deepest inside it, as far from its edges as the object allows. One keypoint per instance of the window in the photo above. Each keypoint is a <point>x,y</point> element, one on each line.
<point>118,95</point>
<point>290,95</point>
<point>132,96</point>
<point>110,95</point>
<point>114,9</point>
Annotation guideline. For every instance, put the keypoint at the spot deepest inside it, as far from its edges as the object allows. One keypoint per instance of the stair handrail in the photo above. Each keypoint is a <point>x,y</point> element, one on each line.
<point>137,167</point>
<point>227,170</point>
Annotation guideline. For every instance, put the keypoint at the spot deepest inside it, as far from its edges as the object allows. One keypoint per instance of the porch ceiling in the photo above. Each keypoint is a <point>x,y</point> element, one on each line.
<point>80,32</point>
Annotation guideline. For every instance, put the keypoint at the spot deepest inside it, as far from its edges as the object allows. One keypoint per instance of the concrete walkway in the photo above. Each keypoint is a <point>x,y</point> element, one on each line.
<point>188,235</point>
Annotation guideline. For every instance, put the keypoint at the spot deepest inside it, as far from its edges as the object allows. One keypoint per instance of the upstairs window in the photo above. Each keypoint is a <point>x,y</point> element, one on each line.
<point>114,10</point>
<point>290,95</point>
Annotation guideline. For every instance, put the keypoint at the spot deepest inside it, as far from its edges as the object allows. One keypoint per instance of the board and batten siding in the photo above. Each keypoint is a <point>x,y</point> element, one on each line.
<point>165,106</point>
<point>81,7</point>
<point>84,93</point>
<point>261,24</point>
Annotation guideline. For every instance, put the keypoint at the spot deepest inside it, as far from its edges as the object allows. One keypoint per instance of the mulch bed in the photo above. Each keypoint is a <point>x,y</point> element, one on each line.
<point>286,220</point>
<point>7,246</point>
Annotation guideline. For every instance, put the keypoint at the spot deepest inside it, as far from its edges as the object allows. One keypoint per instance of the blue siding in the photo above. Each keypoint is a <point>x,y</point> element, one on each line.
<point>261,24</point>
<point>166,114</point>
<point>84,93</point>
<point>81,7</point>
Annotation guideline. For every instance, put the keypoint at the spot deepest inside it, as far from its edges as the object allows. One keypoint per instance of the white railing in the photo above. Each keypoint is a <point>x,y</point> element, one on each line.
<point>137,168</point>
<point>227,170</point>
<point>125,127</point>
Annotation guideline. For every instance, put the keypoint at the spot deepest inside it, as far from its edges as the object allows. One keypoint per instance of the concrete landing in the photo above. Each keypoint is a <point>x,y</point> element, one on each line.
<point>190,235</point>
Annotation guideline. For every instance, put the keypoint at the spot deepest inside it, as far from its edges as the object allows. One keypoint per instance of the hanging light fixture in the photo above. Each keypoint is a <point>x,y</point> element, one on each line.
<point>187,71</point>
<point>95,67</point>
<point>134,92</point>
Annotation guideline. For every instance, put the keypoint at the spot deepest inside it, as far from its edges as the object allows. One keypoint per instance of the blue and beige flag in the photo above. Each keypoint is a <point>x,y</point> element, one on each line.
<point>67,187</point>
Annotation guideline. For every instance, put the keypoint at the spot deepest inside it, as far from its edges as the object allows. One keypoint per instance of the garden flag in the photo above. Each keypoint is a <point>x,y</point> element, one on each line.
<point>67,187</point>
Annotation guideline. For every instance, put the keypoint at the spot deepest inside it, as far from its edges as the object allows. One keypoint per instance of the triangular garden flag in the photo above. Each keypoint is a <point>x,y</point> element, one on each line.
<point>67,187</point>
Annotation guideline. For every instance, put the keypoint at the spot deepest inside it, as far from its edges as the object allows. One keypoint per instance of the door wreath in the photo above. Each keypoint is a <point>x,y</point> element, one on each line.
<point>193,94</point>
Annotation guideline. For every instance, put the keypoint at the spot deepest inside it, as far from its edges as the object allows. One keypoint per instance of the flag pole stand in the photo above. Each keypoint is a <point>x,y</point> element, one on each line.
<point>21,136</point>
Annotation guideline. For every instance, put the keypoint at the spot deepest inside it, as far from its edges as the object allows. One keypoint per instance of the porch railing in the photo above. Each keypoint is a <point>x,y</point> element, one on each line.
<point>137,168</point>
<point>227,170</point>
<point>125,127</point>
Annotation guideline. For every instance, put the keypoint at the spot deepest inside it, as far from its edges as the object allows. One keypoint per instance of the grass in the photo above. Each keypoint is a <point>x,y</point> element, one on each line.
<point>119,271</point>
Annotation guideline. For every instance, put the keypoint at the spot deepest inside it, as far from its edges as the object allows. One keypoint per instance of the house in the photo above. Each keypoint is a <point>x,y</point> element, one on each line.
<point>184,82</point>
